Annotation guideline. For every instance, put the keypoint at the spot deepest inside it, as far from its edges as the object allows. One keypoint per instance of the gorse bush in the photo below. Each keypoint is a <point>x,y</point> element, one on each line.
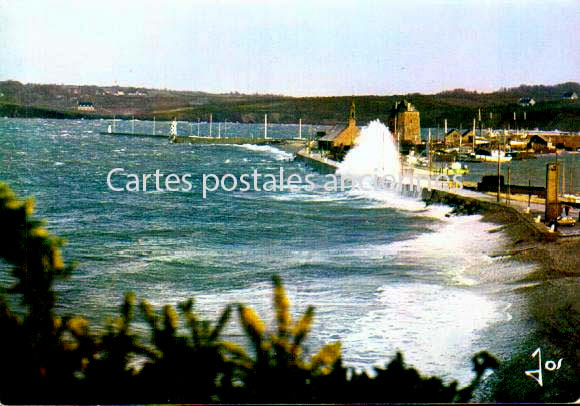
<point>46,358</point>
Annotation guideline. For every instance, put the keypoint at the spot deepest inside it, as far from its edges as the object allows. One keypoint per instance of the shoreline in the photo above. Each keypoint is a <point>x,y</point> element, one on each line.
<point>551,300</point>
<point>557,258</point>
<point>550,296</point>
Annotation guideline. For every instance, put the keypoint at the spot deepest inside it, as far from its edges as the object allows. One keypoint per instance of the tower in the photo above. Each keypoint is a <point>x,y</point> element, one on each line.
<point>404,123</point>
<point>173,130</point>
<point>552,179</point>
<point>352,115</point>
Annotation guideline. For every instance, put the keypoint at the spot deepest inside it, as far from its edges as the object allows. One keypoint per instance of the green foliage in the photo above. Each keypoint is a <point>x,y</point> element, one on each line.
<point>49,359</point>
<point>459,106</point>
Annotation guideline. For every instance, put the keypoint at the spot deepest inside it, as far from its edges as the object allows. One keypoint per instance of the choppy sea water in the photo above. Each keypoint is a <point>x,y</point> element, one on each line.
<point>384,272</point>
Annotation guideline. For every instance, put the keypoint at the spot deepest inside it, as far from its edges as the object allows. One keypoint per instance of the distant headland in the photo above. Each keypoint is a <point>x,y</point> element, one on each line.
<point>547,107</point>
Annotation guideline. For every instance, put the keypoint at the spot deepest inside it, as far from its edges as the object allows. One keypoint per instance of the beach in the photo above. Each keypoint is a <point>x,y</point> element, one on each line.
<point>551,292</point>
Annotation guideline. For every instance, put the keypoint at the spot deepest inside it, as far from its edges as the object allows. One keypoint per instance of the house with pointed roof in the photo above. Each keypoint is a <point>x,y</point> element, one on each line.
<point>341,137</point>
<point>527,101</point>
<point>570,95</point>
<point>85,106</point>
<point>452,137</point>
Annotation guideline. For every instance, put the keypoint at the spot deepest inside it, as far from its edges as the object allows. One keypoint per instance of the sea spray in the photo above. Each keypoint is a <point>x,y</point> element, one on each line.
<point>373,167</point>
<point>363,262</point>
<point>375,153</point>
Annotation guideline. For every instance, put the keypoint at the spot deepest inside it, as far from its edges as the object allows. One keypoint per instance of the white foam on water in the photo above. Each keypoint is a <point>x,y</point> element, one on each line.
<point>458,246</point>
<point>278,153</point>
<point>394,200</point>
<point>434,326</point>
<point>429,323</point>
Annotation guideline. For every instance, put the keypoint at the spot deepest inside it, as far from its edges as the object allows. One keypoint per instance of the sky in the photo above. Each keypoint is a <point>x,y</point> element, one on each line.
<point>298,48</point>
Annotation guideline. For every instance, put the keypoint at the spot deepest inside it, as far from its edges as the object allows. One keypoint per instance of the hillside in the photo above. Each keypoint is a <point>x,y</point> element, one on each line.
<point>458,106</point>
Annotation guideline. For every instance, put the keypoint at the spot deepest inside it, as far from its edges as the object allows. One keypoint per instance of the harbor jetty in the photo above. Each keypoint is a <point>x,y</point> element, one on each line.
<point>466,199</point>
<point>126,134</point>
<point>213,140</point>
<point>238,140</point>
<point>295,143</point>
<point>536,207</point>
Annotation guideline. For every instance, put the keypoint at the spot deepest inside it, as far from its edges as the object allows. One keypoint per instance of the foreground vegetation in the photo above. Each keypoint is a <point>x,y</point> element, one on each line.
<point>48,358</point>
<point>185,359</point>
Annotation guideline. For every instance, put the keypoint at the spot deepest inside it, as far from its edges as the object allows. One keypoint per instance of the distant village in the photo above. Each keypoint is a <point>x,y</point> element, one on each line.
<point>544,107</point>
<point>405,124</point>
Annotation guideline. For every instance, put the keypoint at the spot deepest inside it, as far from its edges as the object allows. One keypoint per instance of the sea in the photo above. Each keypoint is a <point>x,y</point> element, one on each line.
<point>385,272</point>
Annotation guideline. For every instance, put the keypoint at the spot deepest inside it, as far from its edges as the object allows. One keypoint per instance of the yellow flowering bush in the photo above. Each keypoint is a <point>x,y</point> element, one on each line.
<point>49,358</point>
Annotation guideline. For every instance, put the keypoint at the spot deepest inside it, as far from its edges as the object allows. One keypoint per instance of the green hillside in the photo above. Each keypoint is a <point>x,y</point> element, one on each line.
<point>458,106</point>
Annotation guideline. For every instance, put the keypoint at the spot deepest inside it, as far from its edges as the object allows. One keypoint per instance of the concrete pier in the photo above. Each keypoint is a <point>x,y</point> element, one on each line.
<point>237,140</point>
<point>317,161</point>
<point>131,134</point>
<point>213,140</point>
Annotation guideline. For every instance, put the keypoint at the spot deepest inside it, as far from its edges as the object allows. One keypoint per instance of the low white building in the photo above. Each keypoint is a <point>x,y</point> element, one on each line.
<point>86,106</point>
<point>527,101</point>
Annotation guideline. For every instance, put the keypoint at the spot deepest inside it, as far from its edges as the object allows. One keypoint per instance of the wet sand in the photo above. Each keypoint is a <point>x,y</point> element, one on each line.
<point>553,303</point>
<point>558,259</point>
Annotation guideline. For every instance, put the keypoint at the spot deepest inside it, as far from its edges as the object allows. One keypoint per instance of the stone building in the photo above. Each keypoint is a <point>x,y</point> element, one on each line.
<point>404,123</point>
<point>452,138</point>
<point>340,138</point>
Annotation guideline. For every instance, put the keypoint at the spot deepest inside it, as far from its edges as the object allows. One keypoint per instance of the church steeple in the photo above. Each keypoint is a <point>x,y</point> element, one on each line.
<point>352,115</point>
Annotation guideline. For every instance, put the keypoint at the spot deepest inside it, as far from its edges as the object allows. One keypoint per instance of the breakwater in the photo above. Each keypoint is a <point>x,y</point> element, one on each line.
<point>132,134</point>
<point>317,162</point>
<point>471,205</point>
<point>213,140</point>
<point>461,203</point>
<point>237,140</point>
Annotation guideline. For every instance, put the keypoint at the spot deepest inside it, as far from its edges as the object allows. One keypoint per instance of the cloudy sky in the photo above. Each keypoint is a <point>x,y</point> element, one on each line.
<point>292,47</point>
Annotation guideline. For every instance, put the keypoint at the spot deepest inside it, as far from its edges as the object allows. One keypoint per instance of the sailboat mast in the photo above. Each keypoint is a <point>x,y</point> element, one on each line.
<point>473,137</point>
<point>498,168</point>
<point>397,134</point>
<point>300,129</point>
<point>429,151</point>
<point>265,126</point>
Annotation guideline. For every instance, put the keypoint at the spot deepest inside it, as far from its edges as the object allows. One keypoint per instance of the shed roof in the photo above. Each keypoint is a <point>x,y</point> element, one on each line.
<point>333,132</point>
